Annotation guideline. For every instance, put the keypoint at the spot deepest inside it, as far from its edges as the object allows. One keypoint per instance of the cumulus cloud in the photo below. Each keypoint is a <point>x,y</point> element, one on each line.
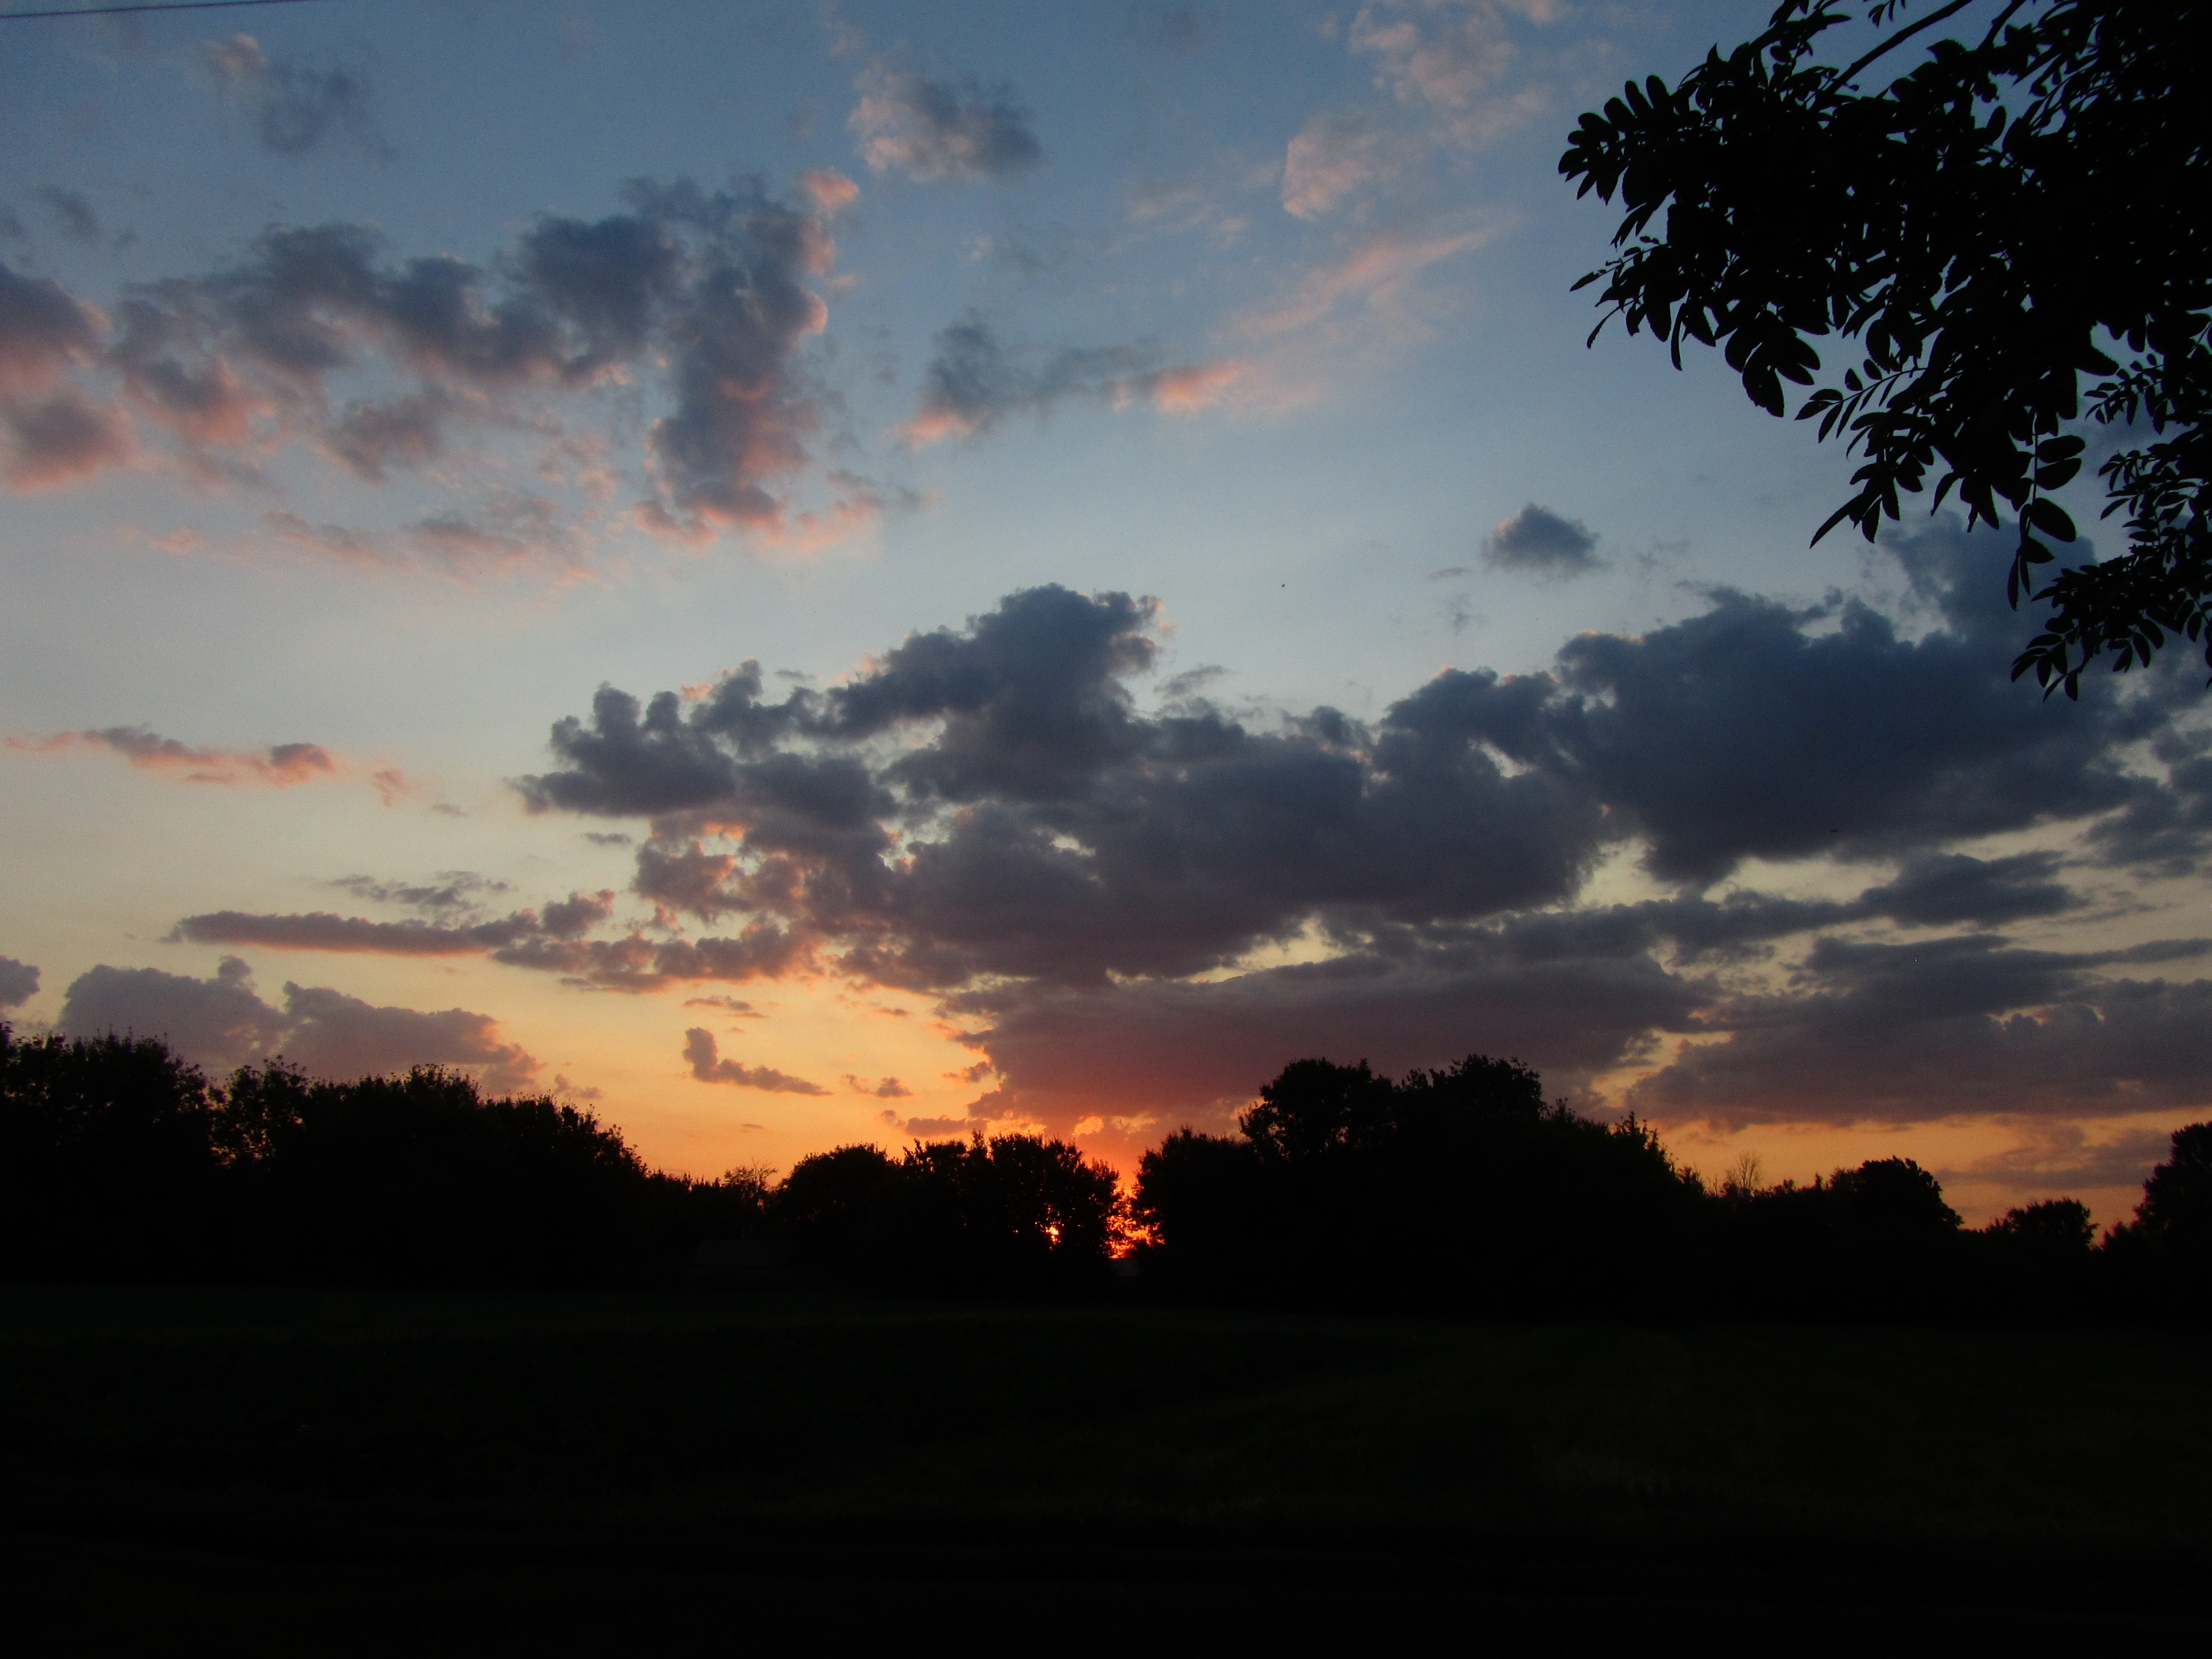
<point>1538,541</point>
<point>332,1035</point>
<point>710,291</point>
<point>297,103</point>
<point>983,814</point>
<point>707,1067</point>
<point>942,130</point>
<point>19,982</point>
<point>280,766</point>
<point>220,1021</point>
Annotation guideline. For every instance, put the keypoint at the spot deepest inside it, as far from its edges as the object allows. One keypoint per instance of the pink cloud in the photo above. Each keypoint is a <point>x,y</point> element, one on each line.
<point>1193,387</point>
<point>1377,276</point>
<point>280,767</point>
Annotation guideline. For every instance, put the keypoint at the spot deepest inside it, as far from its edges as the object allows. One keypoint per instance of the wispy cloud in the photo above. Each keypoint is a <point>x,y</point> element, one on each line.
<point>281,766</point>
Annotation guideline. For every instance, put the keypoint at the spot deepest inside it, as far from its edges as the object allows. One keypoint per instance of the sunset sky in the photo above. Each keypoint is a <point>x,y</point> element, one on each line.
<point>815,573</point>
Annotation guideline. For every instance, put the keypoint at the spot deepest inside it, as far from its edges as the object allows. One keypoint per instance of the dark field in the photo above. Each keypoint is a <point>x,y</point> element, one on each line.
<point>332,1471</point>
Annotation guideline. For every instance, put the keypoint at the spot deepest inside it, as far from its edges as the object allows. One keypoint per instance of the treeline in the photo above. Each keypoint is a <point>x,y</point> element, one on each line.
<point>120,1161</point>
<point>1461,1189</point>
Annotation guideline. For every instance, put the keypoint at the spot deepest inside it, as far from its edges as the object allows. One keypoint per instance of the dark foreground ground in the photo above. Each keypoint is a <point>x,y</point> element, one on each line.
<point>330,1472</point>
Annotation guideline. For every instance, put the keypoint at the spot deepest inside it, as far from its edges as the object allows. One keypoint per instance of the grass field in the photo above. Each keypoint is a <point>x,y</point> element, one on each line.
<point>364,1471</point>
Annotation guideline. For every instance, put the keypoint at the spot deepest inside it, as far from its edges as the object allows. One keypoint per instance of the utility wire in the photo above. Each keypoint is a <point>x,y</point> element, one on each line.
<point>145,5</point>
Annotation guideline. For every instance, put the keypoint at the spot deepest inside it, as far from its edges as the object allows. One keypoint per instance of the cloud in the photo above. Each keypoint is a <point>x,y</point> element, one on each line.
<point>72,211</point>
<point>1331,157</point>
<point>280,766</point>
<point>983,814</point>
<point>1878,1033</point>
<point>888,1088</point>
<point>1538,541</point>
<point>216,1023</point>
<point>332,1035</point>
<point>1197,1051</point>
<point>736,1005</point>
<point>829,191</point>
<point>1457,62</point>
<point>19,982</point>
<point>2059,1157</point>
<point>452,893</point>
<point>1376,277</point>
<point>43,332</point>
<point>708,1067</point>
<point>51,434</point>
<point>942,130</point>
<point>1191,388</point>
<point>61,440</point>
<point>221,1022</point>
<point>974,381</point>
<point>1170,31</point>
<point>297,103</point>
<point>709,292</point>
<point>560,922</point>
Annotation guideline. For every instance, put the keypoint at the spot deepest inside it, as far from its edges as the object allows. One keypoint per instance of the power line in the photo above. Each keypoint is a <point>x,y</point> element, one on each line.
<point>145,5</point>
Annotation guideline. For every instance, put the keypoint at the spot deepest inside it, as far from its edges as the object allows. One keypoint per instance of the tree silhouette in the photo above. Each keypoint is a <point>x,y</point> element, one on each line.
<point>108,1162</point>
<point>2016,212</point>
<point>2170,1240</point>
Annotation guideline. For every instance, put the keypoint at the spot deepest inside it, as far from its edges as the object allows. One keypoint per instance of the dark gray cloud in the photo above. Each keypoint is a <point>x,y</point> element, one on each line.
<point>708,288</point>
<point>60,439</point>
<point>942,130</point>
<point>1940,888</point>
<point>1537,540</point>
<point>71,210</point>
<point>221,1022</point>
<point>19,982</point>
<point>1877,1032</point>
<point>1741,733</point>
<point>43,332</point>
<point>1050,831</point>
<point>559,924</point>
<point>984,813</point>
<point>297,103</point>
<point>709,1067</point>
<point>1185,1051</point>
<point>51,432</point>
<point>974,381</point>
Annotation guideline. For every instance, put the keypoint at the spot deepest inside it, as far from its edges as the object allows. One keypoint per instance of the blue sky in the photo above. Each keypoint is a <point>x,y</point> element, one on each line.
<point>330,427</point>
